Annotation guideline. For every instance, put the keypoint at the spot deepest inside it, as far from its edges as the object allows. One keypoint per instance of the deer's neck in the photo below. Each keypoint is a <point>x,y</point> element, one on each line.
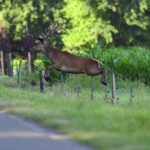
<point>49,51</point>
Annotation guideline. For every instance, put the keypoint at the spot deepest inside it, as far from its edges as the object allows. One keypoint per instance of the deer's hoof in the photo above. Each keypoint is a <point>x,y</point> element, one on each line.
<point>104,83</point>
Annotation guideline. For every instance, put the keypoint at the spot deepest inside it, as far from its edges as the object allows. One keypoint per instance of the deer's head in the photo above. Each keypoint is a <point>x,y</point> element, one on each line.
<point>40,45</point>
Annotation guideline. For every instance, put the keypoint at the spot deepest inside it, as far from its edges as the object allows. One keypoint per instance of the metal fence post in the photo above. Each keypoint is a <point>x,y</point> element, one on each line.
<point>19,73</point>
<point>131,98</point>
<point>78,88</point>
<point>92,89</point>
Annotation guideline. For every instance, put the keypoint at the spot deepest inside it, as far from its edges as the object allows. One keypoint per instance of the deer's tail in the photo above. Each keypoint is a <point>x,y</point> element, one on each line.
<point>100,63</point>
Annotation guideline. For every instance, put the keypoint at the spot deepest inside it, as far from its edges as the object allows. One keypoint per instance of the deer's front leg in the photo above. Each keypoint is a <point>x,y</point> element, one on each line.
<point>46,75</point>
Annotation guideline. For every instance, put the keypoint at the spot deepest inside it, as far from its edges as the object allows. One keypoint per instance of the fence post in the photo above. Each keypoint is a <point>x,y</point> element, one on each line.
<point>29,63</point>
<point>9,62</point>
<point>131,96</point>
<point>42,81</point>
<point>17,68</point>
<point>69,82</point>
<point>19,73</point>
<point>114,100</point>
<point>2,62</point>
<point>92,89</point>
<point>62,79</point>
<point>78,88</point>
<point>107,91</point>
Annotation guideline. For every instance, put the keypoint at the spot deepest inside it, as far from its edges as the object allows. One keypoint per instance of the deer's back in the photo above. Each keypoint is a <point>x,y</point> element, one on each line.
<point>71,63</point>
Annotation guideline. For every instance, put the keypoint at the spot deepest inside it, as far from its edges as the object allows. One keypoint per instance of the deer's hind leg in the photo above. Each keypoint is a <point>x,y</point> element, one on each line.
<point>99,71</point>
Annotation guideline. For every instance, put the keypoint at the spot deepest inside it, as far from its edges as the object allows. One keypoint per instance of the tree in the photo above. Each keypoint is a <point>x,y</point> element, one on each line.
<point>118,22</point>
<point>131,18</point>
<point>17,13</point>
<point>85,25</point>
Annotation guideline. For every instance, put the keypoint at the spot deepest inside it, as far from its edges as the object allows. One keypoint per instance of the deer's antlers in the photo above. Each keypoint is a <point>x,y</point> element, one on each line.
<point>58,27</point>
<point>49,31</point>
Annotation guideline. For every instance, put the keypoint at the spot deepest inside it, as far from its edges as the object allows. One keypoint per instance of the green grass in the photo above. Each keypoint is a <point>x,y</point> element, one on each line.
<point>97,123</point>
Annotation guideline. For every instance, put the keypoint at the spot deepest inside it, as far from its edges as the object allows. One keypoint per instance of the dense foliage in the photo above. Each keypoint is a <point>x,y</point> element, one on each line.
<point>116,22</point>
<point>132,63</point>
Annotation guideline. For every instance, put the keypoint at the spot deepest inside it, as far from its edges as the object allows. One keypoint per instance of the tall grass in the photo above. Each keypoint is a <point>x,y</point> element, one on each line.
<point>97,122</point>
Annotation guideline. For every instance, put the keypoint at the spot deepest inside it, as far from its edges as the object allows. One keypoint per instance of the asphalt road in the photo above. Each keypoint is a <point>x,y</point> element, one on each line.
<point>17,133</point>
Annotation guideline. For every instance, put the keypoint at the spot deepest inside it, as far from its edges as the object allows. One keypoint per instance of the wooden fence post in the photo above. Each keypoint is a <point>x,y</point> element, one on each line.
<point>19,73</point>
<point>2,62</point>
<point>9,63</point>
<point>29,63</point>
<point>92,89</point>
<point>42,81</point>
<point>113,100</point>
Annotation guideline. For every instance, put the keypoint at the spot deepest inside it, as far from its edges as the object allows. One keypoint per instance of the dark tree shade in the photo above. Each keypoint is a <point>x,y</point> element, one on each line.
<point>0,42</point>
<point>4,43</point>
<point>28,43</point>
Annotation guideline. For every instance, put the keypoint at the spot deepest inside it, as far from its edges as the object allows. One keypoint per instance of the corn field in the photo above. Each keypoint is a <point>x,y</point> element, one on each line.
<point>132,63</point>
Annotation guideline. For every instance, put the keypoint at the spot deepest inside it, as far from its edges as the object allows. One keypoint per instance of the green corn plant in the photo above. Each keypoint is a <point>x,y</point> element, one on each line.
<point>132,63</point>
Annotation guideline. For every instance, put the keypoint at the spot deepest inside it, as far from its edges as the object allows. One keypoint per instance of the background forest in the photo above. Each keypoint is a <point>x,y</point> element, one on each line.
<point>110,22</point>
<point>93,28</point>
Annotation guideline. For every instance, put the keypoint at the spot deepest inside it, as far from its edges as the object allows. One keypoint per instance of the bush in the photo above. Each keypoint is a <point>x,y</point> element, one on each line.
<point>16,63</point>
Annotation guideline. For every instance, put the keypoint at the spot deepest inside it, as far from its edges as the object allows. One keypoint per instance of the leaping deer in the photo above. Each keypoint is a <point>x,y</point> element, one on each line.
<point>65,61</point>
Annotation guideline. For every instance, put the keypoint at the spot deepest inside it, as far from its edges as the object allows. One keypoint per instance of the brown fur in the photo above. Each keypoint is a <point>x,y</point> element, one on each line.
<point>67,62</point>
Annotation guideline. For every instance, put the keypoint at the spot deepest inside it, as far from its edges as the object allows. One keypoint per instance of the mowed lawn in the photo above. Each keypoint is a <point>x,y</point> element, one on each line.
<point>97,123</point>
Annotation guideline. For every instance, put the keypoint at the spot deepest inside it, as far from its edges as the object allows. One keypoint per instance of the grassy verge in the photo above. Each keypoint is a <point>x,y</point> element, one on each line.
<point>97,122</point>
